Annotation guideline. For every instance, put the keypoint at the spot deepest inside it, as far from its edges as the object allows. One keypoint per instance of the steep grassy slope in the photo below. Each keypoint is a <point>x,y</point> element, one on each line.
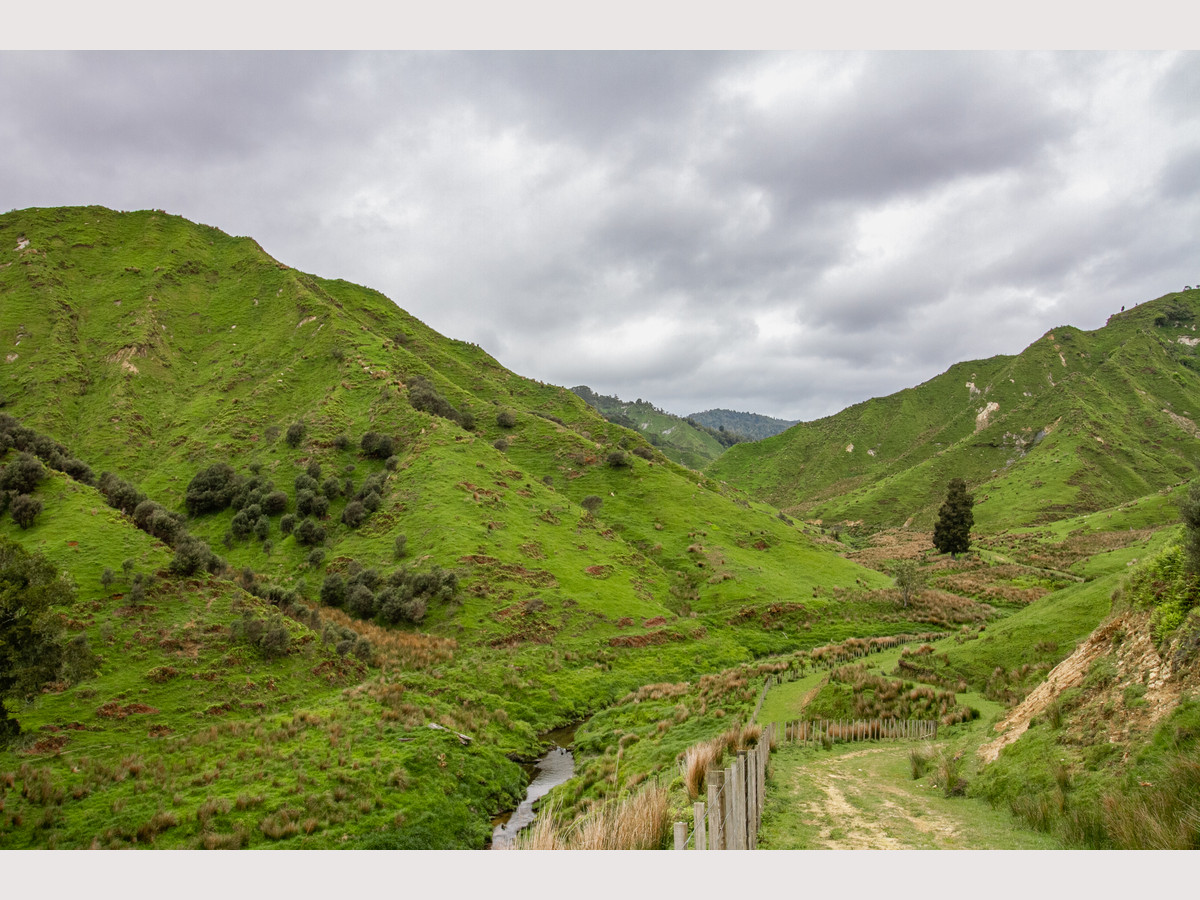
<point>153,348</point>
<point>1079,421</point>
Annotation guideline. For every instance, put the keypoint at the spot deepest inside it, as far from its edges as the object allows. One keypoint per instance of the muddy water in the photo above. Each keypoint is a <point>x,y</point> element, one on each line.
<point>555,767</point>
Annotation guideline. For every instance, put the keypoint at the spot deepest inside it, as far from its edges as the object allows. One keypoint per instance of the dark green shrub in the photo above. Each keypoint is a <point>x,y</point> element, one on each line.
<point>211,489</point>
<point>295,434</point>
<point>316,556</point>
<point>361,602</point>
<point>506,418</point>
<point>618,460</point>
<point>308,533</point>
<point>371,501</point>
<point>320,506</point>
<point>304,501</point>
<point>119,493</point>
<point>591,503</point>
<point>333,590</point>
<point>287,523</point>
<point>274,503</point>
<point>644,452</point>
<point>192,555</point>
<point>25,509</point>
<point>391,462</point>
<point>500,444</point>
<point>23,475</point>
<point>332,488</point>
<point>262,528</point>
<point>354,514</point>
<point>400,547</point>
<point>377,446</point>
<point>341,442</point>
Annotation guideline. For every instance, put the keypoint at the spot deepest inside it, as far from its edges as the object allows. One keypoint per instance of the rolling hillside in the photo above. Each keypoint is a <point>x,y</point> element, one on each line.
<point>456,547</point>
<point>1078,422</point>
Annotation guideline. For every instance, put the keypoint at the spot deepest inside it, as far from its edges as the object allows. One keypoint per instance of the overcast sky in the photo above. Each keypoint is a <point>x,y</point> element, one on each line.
<point>778,233</point>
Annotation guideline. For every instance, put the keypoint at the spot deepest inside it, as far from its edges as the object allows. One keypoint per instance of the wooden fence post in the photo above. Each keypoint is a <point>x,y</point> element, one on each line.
<point>698,823</point>
<point>740,793</point>
<point>680,836</point>
<point>716,777</point>
<point>727,808</point>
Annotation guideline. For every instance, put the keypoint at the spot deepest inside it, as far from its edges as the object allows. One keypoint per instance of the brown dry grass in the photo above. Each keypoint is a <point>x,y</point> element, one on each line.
<point>638,821</point>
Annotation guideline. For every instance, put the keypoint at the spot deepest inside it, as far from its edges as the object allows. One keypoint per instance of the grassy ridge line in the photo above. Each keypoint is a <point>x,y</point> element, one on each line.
<point>1113,408</point>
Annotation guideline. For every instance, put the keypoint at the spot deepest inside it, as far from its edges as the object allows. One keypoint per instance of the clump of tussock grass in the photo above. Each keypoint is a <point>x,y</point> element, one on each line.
<point>696,762</point>
<point>1166,816</point>
<point>919,760</point>
<point>639,821</point>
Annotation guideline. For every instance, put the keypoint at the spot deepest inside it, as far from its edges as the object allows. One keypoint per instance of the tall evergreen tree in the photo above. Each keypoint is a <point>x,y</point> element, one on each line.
<point>952,532</point>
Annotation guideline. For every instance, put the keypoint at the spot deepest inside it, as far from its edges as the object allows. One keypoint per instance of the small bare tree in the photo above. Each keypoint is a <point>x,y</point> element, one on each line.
<point>909,580</point>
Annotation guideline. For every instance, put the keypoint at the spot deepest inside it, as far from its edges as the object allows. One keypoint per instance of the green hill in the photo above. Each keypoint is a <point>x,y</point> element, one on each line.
<point>240,708</point>
<point>681,440</point>
<point>752,425</point>
<point>1079,421</point>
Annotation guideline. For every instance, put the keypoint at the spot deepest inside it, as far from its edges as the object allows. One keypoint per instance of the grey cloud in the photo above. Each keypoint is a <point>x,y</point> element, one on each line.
<point>628,220</point>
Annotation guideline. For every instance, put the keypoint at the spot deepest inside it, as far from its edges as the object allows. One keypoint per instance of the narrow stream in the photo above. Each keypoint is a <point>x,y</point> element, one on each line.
<point>555,767</point>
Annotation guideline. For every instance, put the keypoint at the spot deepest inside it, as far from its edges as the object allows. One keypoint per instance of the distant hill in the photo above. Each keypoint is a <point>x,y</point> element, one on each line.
<point>1077,422</point>
<point>685,441</point>
<point>753,426</point>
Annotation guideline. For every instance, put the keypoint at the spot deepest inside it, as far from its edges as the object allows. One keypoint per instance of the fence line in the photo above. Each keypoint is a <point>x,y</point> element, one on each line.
<point>730,818</point>
<point>733,812</point>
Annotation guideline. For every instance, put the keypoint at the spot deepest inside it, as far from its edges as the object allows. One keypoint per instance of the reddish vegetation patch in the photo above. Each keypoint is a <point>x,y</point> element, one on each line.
<point>599,571</point>
<point>220,709</point>
<point>624,622</point>
<point>72,543</point>
<point>50,744</point>
<point>645,640</point>
<point>160,730</point>
<point>760,544</point>
<point>657,620</point>
<point>513,473</point>
<point>342,669</point>
<point>478,560</point>
<point>114,710</point>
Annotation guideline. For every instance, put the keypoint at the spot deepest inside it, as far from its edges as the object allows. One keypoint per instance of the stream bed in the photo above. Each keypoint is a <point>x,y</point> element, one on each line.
<point>555,767</point>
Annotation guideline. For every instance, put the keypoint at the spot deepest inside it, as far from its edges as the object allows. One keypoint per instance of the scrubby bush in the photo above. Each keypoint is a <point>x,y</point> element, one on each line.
<point>618,460</point>
<point>644,452</point>
<point>591,503</point>
<point>25,509</point>
<point>287,523</point>
<point>333,590</point>
<point>295,434</point>
<point>22,475</point>
<point>119,493</point>
<point>274,503</point>
<point>332,488</point>
<point>400,547</point>
<point>500,444</point>
<point>316,556</point>
<point>308,533</point>
<point>262,528</point>
<point>158,521</point>
<point>377,446</point>
<point>193,555</point>
<point>211,489</point>
<point>354,514</point>
<point>506,418</point>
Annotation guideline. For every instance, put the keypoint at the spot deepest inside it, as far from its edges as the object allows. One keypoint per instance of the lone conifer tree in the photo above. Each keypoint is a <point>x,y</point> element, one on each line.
<point>952,533</point>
